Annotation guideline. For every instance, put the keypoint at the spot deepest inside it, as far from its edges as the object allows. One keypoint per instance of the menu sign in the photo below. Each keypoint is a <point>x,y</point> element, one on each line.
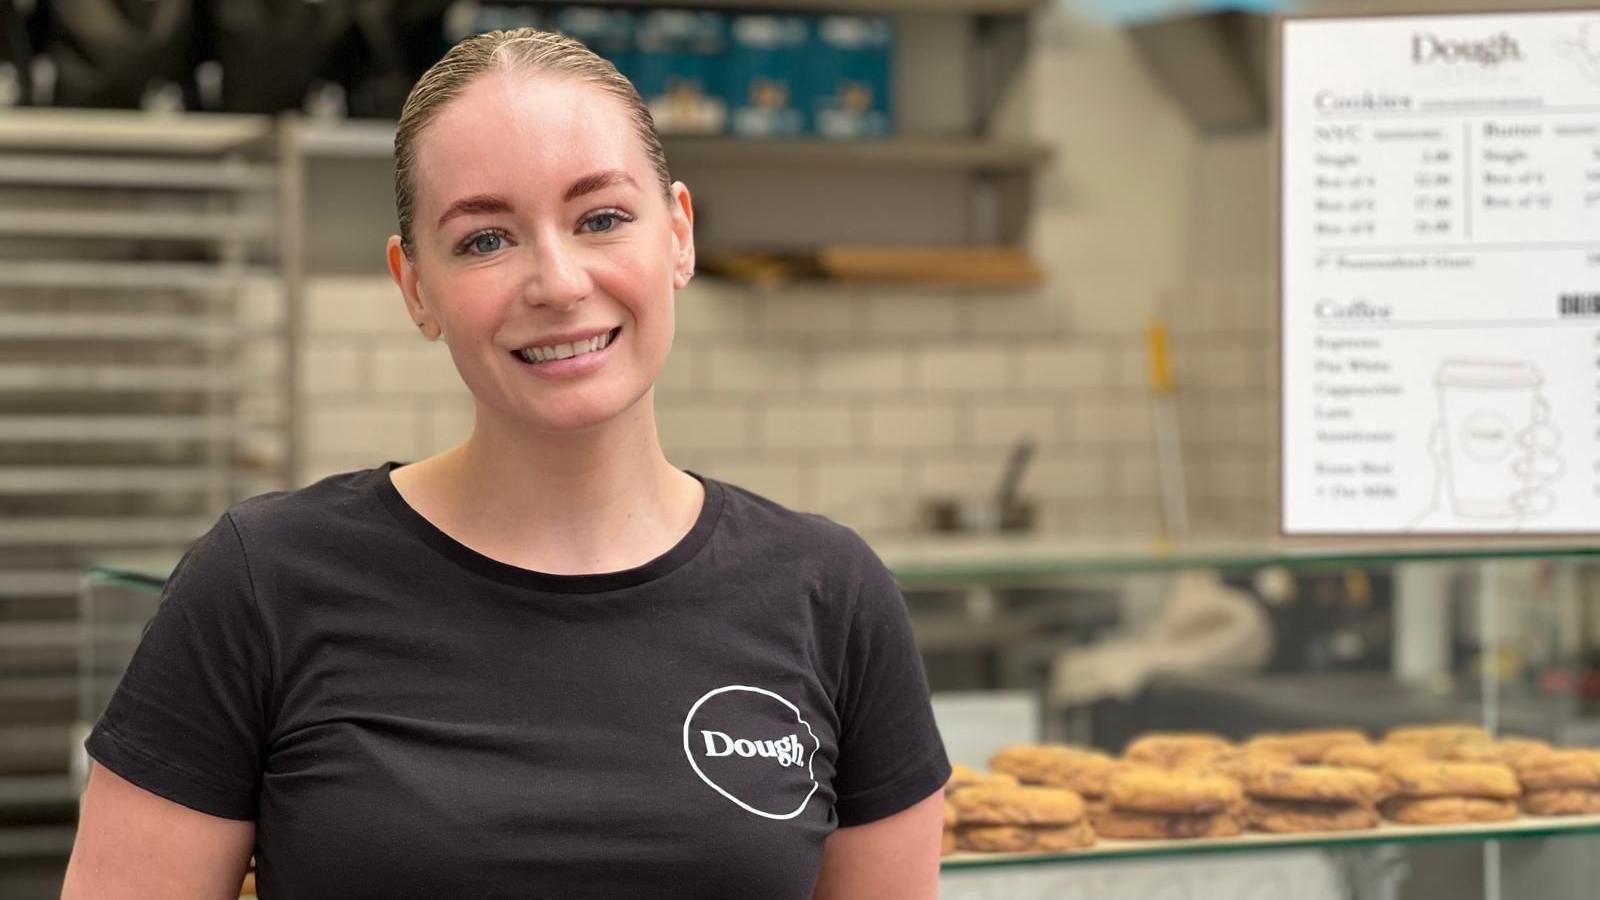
<point>1441,274</point>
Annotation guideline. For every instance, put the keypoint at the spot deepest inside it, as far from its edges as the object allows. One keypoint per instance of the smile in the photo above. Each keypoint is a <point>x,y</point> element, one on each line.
<point>553,352</point>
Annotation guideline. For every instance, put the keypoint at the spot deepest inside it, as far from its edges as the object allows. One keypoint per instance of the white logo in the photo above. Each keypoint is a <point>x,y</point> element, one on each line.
<point>777,781</point>
<point>787,751</point>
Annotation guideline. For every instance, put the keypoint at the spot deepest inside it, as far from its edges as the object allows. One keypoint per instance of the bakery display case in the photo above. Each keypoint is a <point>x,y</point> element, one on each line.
<point>1503,638</point>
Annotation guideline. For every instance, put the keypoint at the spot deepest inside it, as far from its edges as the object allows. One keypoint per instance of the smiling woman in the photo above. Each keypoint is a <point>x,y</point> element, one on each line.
<point>545,662</point>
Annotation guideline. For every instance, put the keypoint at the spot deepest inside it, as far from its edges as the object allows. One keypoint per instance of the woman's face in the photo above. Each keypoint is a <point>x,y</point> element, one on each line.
<point>544,250</point>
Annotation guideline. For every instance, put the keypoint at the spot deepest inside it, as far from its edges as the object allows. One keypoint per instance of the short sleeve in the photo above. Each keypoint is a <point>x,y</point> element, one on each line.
<point>890,752</point>
<point>187,721</point>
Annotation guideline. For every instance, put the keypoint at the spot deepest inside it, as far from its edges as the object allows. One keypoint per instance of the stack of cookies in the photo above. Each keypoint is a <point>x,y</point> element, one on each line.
<point>961,778</point>
<point>1082,771</point>
<point>997,819</point>
<point>1309,746</point>
<point>1434,792</point>
<point>1145,803</point>
<point>1560,782</point>
<point>1373,757</point>
<point>1175,749</point>
<point>1300,798</point>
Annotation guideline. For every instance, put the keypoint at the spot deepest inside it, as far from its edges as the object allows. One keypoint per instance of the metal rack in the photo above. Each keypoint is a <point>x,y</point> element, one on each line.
<point>143,388</point>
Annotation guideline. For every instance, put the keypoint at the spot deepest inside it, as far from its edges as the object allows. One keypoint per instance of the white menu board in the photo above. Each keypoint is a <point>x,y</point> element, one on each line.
<point>1441,274</point>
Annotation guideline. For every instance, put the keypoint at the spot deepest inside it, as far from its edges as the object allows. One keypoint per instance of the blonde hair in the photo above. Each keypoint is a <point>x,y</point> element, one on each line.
<point>522,50</point>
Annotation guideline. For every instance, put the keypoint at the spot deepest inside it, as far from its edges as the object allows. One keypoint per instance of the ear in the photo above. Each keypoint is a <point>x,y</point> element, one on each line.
<point>682,235</point>
<point>404,273</point>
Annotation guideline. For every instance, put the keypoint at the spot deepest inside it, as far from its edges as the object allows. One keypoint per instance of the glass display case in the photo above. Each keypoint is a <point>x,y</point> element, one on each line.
<point>1103,643</point>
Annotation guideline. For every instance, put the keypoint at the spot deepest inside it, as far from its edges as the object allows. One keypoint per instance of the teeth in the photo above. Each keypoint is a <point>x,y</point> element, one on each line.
<point>565,351</point>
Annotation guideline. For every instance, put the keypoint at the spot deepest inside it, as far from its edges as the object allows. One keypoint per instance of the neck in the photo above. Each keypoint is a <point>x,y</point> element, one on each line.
<point>602,499</point>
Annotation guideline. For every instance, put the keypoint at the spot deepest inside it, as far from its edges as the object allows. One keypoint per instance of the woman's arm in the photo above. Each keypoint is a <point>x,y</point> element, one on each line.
<point>894,858</point>
<point>134,844</point>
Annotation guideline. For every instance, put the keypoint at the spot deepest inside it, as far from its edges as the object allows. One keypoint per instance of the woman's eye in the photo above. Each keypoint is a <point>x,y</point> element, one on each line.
<point>602,222</point>
<point>487,242</point>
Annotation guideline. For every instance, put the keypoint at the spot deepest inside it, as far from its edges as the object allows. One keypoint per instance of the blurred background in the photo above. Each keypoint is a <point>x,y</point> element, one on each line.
<point>991,281</point>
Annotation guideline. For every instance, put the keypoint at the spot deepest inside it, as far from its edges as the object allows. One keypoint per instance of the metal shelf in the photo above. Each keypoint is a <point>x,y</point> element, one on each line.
<point>97,328</point>
<point>137,224</point>
<point>113,429</point>
<point>375,140</point>
<point>102,531</point>
<point>107,131</point>
<point>103,479</point>
<point>96,172</point>
<point>969,154</point>
<point>40,582</point>
<point>113,378</point>
<point>126,276</point>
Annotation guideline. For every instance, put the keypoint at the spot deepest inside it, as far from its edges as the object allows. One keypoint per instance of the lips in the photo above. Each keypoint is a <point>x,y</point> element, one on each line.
<point>556,361</point>
<point>558,349</point>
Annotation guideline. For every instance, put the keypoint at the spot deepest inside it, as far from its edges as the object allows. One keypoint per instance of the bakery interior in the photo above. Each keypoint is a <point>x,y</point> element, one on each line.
<point>1012,306</point>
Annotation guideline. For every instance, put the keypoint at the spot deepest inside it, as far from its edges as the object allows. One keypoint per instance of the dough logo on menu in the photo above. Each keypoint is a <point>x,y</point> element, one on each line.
<point>1489,52</point>
<point>753,747</point>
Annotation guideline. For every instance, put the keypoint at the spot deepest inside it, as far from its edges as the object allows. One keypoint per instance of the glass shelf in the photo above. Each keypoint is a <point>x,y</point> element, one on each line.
<point>953,560</point>
<point>944,560</point>
<point>1526,828</point>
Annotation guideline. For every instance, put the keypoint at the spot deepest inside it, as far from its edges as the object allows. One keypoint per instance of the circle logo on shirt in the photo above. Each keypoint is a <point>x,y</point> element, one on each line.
<point>753,747</point>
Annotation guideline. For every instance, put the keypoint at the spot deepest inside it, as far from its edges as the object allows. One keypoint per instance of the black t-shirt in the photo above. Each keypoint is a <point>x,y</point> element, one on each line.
<point>405,717</point>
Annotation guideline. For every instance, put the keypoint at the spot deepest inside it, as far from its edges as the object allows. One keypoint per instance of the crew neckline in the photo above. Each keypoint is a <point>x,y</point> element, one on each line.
<point>675,556</point>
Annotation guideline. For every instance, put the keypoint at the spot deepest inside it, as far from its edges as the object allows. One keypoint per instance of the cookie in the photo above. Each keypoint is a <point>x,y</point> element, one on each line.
<point>984,805</point>
<point>1517,750</point>
<point>1017,839</point>
<point>1323,784</point>
<point>950,816</point>
<point>1116,823</point>
<point>963,777</point>
<point>1308,746</point>
<point>948,845</point>
<point>1437,734</point>
<point>1447,810</point>
<point>1372,757</point>
<point>1560,769</point>
<point>1239,763</point>
<point>1174,748</point>
<point>1055,765</point>
<point>1083,772</point>
<point>1472,751</point>
<point>1562,802</point>
<point>1434,778</point>
<point>1152,790</point>
<point>1293,816</point>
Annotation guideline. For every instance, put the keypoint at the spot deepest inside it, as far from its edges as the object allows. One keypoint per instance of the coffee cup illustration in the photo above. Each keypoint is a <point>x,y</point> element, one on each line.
<point>1494,442</point>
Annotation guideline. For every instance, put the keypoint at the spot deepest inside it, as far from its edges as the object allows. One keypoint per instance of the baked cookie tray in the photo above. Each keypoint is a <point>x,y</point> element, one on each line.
<point>1524,828</point>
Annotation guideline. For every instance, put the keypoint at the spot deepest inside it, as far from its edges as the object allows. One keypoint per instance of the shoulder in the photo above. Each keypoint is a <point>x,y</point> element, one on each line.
<point>801,535</point>
<point>332,510</point>
<point>827,554</point>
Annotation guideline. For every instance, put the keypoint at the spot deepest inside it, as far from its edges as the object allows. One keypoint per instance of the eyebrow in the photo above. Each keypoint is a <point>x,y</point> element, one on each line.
<point>588,184</point>
<point>477,204</point>
<point>483,204</point>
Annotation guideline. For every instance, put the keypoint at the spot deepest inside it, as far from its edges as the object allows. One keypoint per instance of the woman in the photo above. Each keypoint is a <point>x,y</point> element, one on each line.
<point>545,662</point>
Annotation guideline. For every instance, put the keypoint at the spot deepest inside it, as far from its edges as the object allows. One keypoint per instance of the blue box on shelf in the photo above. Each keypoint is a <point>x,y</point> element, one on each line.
<point>678,65</point>
<point>606,31</point>
<point>853,77</point>
<point>468,17</point>
<point>767,75</point>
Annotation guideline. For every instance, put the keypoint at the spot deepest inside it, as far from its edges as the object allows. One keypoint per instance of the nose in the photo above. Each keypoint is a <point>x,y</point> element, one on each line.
<point>559,278</point>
